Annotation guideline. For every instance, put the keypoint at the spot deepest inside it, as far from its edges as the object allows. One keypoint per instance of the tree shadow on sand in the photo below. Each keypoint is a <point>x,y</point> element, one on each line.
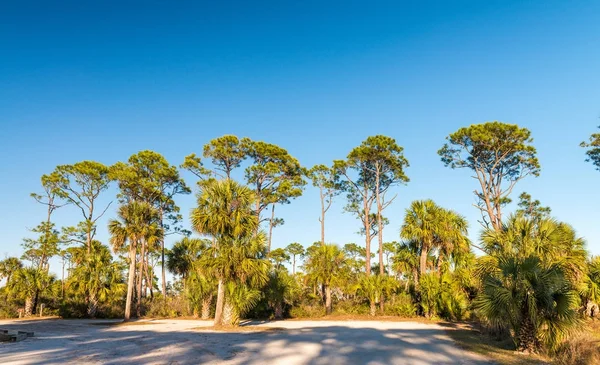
<point>80,342</point>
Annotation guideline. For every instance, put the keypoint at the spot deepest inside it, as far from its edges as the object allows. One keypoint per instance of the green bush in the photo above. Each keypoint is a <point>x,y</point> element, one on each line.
<point>348,307</point>
<point>307,311</point>
<point>401,305</point>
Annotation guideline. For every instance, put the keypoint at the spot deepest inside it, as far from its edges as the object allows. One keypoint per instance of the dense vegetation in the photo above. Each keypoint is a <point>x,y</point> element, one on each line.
<point>528,276</point>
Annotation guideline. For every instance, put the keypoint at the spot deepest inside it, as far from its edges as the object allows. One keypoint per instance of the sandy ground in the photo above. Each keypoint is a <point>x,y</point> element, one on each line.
<point>183,342</point>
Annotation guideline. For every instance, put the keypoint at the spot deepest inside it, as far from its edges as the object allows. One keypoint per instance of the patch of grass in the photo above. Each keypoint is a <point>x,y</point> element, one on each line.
<point>501,352</point>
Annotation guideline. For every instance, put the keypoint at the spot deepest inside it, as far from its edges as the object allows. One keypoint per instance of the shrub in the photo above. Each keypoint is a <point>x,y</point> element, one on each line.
<point>307,311</point>
<point>582,349</point>
<point>401,305</point>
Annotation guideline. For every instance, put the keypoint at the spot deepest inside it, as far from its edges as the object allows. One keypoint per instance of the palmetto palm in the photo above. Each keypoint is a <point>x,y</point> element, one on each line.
<point>422,224</point>
<point>536,302</point>
<point>225,212</point>
<point>451,237</point>
<point>199,290</point>
<point>373,288</point>
<point>96,277</point>
<point>29,282</point>
<point>406,261</point>
<point>590,292</point>
<point>183,255</point>
<point>281,289</point>
<point>326,264</point>
<point>137,223</point>
<point>239,299</point>
<point>8,267</point>
<point>552,241</point>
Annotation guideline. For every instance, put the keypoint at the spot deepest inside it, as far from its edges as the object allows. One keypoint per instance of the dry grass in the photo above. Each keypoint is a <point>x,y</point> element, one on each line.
<point>501,352</point>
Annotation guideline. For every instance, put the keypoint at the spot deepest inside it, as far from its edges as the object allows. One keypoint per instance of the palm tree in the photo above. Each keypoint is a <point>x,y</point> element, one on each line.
<point>422,225</point>
<point>239,299</point>
<point>239,261</point>
<point>29,282</point>
<point>451,237</point>
<point>406,262</point>
<point>184,254</point>
<point>225,212</point>
<point>294,249</point>
<point>200,291</point>
<point>552,241</point>
<point>96,277</point>
<point>590,291</point>
<point>535,302</point>
<point>138,221</point>
<point>326,264</point>
<point>8,267</point>
<point>373,288</point>
<point>281,289</point>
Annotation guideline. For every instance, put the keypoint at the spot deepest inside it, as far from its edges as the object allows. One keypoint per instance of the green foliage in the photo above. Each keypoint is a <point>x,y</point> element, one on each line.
<point>593,149</point>
<point>500,155</point>
<point>39,250</point>
<point>279,256</point>
<point>532,208</point>
<point>536,302</point>
<point>402,305</point>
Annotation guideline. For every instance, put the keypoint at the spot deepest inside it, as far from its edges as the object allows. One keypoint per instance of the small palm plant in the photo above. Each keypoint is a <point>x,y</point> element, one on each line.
<point>28,283</point>
<point>239,299</point>
<point>326,264</point>
<point>373,288</point>
<point>535,303</point>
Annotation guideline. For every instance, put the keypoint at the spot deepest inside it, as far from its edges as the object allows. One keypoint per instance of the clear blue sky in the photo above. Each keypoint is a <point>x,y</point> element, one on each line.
<point>102,80</point>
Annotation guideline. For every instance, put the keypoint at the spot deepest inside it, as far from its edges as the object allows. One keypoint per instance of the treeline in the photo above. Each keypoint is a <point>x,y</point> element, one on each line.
<point>534,280</point>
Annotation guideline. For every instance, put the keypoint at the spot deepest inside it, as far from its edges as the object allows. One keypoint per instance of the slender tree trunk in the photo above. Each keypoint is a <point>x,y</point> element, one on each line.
<point>130,281</point>
<point>140,279</point>
<point>368,236</point>
<point>373,308</point>
<point>35,301</point>
<point>293,265</point>
<point>328,305</point>
<point>271,225</point>
<point>220,303</point>
<point>162,257</point>
<point>527,340</point>
<point>206,302</point>
<point>149,281</point>
<point>28,306</point>
<point>62,280</point>
<point>379,225</point>
<point>279,310</point>
<point>322,217</point>
<point>382,303</point>
<point>92,308</point>
<point>423,260</point>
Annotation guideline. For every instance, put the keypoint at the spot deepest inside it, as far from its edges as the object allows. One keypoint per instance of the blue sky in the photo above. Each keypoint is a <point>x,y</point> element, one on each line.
<point>103,80</point>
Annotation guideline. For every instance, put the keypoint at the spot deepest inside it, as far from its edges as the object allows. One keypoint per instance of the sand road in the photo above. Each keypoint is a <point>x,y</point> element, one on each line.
<point>183,342</point>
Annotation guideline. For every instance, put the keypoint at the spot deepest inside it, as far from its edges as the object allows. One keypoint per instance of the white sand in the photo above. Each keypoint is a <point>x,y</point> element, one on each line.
<point>181,342</point>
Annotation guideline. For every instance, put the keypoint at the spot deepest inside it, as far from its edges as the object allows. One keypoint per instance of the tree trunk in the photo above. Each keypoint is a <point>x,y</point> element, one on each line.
<point>140,279</point>
<point>28,306</point>
<point>527,341</point>
<point>368,236</point>
<point>162,262</point>
<point>328,306</point>
<point>379,226</point>
<point>381,304</point>
<point>279,310</point>
<point>220,303</point>
<point>322,217</point>
<point>149,281</point>
<point>230,315</point>
<point>271,226</point>
<point>372,309</point>
<point>35,301</point>
<point>423,260</point>
<point>206,302</point>
<point>92,308</point>
<point>293,265</point>
<point>130,282</point>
